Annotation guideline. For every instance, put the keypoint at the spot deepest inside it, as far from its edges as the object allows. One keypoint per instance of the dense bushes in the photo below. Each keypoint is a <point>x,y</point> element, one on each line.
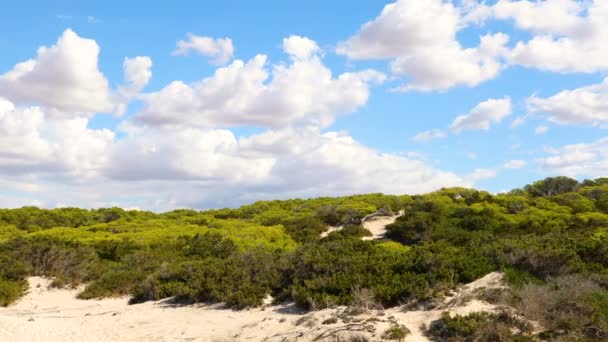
<point>479,327</point>
<point>566,307</point>
<point>325,273</point>
<point>12,279</point>
<point>546,237</point>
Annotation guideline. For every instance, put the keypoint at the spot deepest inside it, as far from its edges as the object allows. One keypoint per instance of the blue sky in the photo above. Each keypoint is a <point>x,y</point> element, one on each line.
<point>531,96</point>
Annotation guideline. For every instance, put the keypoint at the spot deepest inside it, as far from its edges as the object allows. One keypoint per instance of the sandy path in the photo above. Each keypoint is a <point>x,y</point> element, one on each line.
<point>56,315</point>
<point>377,225</point>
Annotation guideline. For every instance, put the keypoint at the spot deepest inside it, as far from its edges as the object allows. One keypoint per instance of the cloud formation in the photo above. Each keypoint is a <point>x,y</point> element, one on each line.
<point>567,35</point>
<point>419,37</point>
<point>64,77</point>
<point>220,50</point>
<point>586,105</point>
<point>254,93</point>
<point>578,160</point>
<point>178,151</point>
<point>483,115</point>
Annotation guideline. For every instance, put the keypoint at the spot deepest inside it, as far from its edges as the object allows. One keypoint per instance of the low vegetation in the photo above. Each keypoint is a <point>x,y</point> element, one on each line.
<point>550,238</point>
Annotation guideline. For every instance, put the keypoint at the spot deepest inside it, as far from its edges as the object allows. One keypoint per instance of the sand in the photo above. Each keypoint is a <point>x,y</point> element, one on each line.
<point>377,225</point>
<point>45,314</point>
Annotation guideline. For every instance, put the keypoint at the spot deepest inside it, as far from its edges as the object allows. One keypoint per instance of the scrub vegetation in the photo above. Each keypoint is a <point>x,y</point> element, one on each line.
<point>550,239</point>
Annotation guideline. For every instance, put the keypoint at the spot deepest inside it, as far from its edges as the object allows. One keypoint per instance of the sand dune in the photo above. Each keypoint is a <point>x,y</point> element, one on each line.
<point>56,315</point>
<point>377,225</point>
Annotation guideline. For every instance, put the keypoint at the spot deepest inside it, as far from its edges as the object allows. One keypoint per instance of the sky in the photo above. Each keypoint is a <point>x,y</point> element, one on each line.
<point>199,104</point>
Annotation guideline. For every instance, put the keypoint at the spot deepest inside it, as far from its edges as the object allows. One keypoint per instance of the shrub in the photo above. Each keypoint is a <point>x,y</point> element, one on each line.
<point>10,291</point>
<point>479,326</point>
<point>396,332</point>
<point>566,306</point>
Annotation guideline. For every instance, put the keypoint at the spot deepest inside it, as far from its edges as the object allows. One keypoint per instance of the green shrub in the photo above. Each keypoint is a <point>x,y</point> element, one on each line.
<point>10,291</point>
<point>396,332</point>
<point>479,326</point>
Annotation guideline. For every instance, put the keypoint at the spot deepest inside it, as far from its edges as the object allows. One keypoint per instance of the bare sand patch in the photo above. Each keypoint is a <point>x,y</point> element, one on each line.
<point>46,314</point>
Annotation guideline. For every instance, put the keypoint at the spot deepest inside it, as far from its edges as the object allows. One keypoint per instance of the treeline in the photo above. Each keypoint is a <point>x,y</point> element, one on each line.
<point>550,238</point>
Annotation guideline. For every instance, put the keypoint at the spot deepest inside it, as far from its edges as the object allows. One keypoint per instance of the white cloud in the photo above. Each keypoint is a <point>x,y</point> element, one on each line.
<point>541,130</point>
<point>31,142</point>
<point>481,174</point>
<point>276,163</point>
<point>300,47</point>
<point>64,77</point>
<point>515,164</point>
<point>483,115</point>
<point>253,93</point>
<point>568,35</point>
<point>429,135</point>
<point>137,71</point>
<point>175,153</point>
<point>137,74</point>
<point>586,105</point>
<point>540,17</point>
<point>220,50</point>
<point>419,36</point>
<point>584,159</point>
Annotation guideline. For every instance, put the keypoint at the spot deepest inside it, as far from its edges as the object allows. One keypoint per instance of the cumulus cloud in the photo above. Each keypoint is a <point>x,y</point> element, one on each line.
<point>220,50</point>
<point>568,35</point>
<point>583,159</point>
<point>300,47</point>
<point>33,142</point>
<point>483,115</point>
<point>137,71</point>
<point>420,39</point>
<point>515,164</point>
<point>176,152</point>
<point>429,135</point>
<point>254,93</point>
<point>64,77</point>
<point>586,105</point>
<point>285,162</point>
<point>162,168</point>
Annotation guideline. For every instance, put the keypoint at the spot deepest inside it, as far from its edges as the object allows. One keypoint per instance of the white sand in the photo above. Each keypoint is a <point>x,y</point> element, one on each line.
<point>377,225</point>
<point>56,315</point>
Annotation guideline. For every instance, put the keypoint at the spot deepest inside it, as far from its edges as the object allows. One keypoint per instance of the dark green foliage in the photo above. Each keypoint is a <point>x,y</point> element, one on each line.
<point>303,229</point>
<point>327,272</point>
<point>207,245</point>
<point>552,186</point>
<point>46,256</point>
<point>351,230</point>
<point>10,291</point>
<point>239,280</point>
<point>12,279</point>
<point>479,326</point>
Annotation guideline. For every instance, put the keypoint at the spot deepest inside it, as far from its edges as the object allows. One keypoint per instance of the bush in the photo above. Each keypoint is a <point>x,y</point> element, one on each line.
<point>55,258</point>
<point>241,280</point>
<point>566,306</point>
<point>479,326</point>
<point>396,332</point>
<point>10,291</point>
